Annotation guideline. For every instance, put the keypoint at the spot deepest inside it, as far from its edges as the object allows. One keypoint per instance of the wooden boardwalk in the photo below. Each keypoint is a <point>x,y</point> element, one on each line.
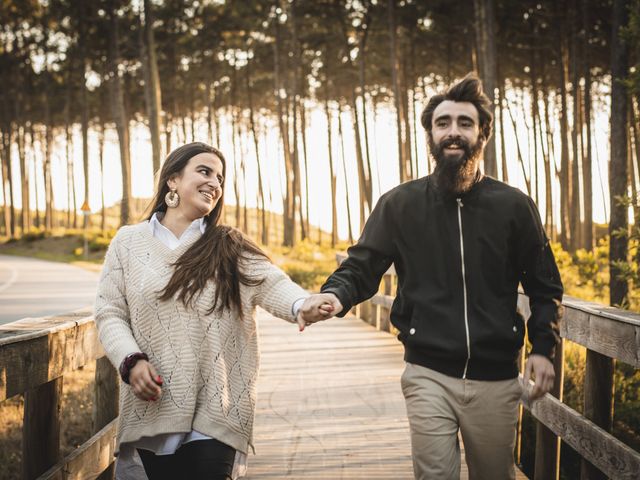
<point>330,405</point>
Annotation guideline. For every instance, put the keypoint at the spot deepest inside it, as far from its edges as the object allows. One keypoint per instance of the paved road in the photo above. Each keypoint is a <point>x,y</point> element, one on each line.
<point>35,288</point>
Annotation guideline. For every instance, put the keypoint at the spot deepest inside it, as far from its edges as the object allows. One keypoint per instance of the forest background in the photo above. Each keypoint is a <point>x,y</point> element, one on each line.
<point>316,105</point>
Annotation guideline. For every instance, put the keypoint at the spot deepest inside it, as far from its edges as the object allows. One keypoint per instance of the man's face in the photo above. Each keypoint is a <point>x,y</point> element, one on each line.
<point>455,144</point>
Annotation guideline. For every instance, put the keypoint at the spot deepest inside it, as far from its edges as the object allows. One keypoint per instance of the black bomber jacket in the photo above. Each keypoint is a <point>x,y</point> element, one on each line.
<point>459,262</point>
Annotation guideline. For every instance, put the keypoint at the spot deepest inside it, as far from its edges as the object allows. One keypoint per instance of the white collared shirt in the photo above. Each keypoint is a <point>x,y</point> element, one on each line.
<point>166,236</point>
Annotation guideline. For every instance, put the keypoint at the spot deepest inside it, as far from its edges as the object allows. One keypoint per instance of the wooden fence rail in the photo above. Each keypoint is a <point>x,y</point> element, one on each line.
<point>35,354</point>
<point>607,333</point>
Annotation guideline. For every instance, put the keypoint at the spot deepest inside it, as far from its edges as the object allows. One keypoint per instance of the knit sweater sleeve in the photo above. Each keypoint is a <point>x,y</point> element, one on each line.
<point>276,293</point>
<point>111,307</point>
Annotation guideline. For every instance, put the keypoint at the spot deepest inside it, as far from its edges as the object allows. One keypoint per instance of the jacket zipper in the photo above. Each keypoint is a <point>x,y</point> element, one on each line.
<point>464,288</point>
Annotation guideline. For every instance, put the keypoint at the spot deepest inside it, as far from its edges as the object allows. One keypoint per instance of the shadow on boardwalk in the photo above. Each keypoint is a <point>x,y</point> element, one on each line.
<point>330,404</point>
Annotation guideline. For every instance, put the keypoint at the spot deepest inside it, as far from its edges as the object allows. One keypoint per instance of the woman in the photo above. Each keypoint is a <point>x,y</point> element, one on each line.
<point>175,314</point>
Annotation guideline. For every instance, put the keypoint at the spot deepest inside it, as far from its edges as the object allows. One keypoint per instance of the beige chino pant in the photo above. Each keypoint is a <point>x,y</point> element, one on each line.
<point>485,412</point>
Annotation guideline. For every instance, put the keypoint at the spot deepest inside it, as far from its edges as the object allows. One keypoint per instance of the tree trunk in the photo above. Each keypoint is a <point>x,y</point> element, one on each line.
<point>332,175</point>
<point>520,159</point>
<point>588,234</point>
<point>295,100</point>
<point>6,184</point>
<point>404,92</point>
<point>84,113</point>
<point>549,175</point>
<point>155,95</point>
<point>565,162</point>
<point>101,158</point>
<point>574,216</point>
<point>397,98</point>
<point>46,170</point>
<point>118,112</point>
<point>85,148</point>
<point>618,288</point>
<point>363,96</point>
<point>503,148</point>
<point>69,152</point>
<point>32,141</point>
<point>344,169</point>
<point>303,131</point>
<point>289,198</point>
<point>25,216</point>
<point>363,189</point>
<point>535,114</point>
<point>261,197</point>
<point>636,140</point>
<point>234,141</point>
<point>485,41</point>
<point>243,169</point>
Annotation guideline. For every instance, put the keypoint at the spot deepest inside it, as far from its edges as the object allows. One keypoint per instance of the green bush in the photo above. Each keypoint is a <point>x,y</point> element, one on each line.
<point>307,263</point>
<point>33,235</point>
<point>99,244</point>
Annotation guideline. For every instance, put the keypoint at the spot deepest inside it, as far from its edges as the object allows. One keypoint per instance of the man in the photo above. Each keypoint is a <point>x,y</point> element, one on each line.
<point>461,244</point>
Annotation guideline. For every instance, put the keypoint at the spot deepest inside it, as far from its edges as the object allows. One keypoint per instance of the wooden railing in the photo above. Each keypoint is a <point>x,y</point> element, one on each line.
<point>35,354</point>
<point>607,333</point>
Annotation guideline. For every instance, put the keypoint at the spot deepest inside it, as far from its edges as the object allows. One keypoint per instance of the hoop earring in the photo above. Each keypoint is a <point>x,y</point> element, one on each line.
<point>172,199</point>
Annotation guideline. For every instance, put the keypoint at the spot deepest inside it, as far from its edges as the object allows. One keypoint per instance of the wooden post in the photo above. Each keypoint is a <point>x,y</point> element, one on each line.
<point>366,312</point>
<point>518,451</point>
<point>387,280</point>
<point>385,321</point>
<point>105,406</point>
<point>547,463</point>
<point>598,402</point>
<point>41,428</point>
<point>385,324</point>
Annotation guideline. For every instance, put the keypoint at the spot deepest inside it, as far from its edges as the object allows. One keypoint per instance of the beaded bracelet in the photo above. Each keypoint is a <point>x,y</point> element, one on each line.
<point>128,363</point>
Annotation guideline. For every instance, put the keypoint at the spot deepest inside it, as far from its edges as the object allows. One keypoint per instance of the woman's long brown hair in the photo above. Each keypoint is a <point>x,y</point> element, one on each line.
<point>214,256</point>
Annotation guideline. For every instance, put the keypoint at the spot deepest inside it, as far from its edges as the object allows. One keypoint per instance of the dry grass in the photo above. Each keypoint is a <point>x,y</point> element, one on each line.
<point>77,401</point>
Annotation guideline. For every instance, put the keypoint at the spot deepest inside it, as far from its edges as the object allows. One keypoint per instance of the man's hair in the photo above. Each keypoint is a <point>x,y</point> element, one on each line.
<point>469,89</point>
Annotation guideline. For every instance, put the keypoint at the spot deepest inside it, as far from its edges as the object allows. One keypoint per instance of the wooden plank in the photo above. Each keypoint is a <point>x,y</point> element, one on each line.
<point>40,356</point>
<point>41,428</point>
<point>385,301</point>
<point>607,336</point>
<point>609,454</point>
<point>89,460</point>
<point>28,328</point>
<point>606,330</point>
<point>330,404</point>
<point>603,311</point>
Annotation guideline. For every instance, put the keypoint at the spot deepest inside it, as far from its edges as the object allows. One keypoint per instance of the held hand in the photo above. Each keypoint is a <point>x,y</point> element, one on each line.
<point>145,382</point>
<point>543,372</point>
<point>320,306</point>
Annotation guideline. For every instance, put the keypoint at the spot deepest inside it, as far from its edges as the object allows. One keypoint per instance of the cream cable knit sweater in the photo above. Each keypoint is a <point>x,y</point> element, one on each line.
<point>209,363</point>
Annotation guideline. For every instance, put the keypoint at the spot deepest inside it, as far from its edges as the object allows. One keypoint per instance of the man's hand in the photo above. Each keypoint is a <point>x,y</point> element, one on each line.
<point>320,306</point>
<point>145,381</point>
<point>542,371</point>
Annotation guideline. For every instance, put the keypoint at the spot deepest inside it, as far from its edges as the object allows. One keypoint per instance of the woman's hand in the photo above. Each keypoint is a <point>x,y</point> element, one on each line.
<point>318,307</point>
<point>145,381</point>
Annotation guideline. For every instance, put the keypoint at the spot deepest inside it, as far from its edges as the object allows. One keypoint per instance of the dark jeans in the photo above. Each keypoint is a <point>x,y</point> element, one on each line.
<point>197,460</point>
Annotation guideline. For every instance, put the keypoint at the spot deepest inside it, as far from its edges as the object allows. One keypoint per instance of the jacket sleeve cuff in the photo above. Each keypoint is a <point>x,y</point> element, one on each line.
<point>544,346</point>
<point>343,296</point>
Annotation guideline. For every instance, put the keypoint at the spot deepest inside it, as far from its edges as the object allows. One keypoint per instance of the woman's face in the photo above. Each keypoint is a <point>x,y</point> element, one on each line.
<point>199,185</point>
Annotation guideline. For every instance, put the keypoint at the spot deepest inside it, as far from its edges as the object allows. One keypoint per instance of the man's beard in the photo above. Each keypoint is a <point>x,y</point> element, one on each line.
<point>453,171</point>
